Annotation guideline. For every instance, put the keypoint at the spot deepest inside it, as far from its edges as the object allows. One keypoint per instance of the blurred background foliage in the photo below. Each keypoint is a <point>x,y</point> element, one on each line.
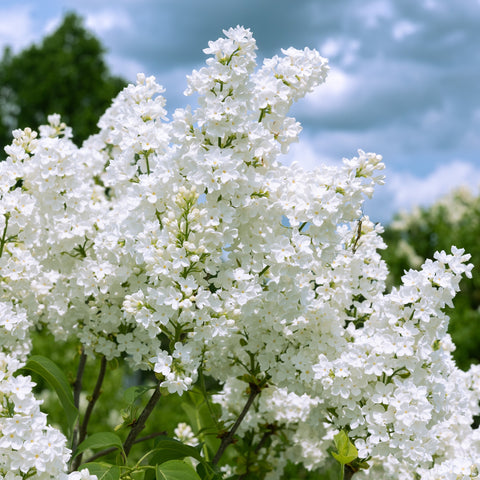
<point>64,74</point>
<point>414,236</point>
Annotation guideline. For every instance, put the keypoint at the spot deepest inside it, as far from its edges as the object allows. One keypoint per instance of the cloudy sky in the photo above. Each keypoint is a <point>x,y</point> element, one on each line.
<point>404,79</point>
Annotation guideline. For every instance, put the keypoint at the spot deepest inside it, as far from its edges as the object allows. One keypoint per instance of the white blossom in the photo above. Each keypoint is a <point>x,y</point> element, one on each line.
<point>187,245</point>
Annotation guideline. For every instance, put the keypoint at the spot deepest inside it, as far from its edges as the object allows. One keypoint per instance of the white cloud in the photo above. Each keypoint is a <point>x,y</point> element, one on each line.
<point>403,29</point>
<point>52,24</point>
<point>107,20</point>
<point>344,51</point>
<point>431,5</point>
<point>407,190</point>
<point>125,67</point>
<point>16,27</point>
<point>471,138</point>
<point>331,48</point>
<point>375,12</point>
<point>332,94</point>
<point>307,155</point>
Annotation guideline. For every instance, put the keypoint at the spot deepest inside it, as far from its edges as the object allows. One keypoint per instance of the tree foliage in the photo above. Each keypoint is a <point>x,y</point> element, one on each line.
<point>412,237</point>
<point>64,74</point>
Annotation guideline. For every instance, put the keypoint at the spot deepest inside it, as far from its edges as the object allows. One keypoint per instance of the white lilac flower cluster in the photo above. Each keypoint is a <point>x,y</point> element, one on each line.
<point>40,186</point>
<point>29,448</point>
<point>184,433</point>
<point>185,245</point>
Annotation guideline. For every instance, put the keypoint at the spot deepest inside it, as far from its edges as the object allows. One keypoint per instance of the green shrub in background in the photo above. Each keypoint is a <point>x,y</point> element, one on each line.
<point>65,74</point>
<point>414,236</point>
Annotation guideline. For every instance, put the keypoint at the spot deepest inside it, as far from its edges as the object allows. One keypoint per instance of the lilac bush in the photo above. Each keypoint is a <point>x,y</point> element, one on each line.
<point>187,248</point>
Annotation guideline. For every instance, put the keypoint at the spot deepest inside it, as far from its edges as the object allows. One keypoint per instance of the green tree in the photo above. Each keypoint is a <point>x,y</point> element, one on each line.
<point>64,74</point>
<point>413,237</point>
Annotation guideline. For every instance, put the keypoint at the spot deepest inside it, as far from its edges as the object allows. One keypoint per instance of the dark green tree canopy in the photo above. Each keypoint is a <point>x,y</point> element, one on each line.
<point>64,74</point>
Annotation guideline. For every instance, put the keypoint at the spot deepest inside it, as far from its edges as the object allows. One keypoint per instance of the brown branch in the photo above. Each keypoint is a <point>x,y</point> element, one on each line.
<point>228,438</point>
<point>271,431</point>
<point>78,380</point>
<point>88,412</point>
<point>112,449</point>
<point>77,388</point>
<point>349,472</point>
<point>139,424</point>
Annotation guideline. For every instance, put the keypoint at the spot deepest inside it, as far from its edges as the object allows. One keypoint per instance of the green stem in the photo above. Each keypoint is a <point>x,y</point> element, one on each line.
<point>4,235</point>
<point>148,165</point>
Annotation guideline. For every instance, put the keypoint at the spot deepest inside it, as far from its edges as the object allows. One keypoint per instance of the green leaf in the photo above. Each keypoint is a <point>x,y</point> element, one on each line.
<point>344,460</point>
<point>55,377</point>
<point>201,421</point>
<point>360,464</point>
<point>166,450</point>
<point>175,470</point>
<point>341,441</point>
<point>347,452</point>
<point>247,378</point>
<point>132,393</point>
<point>101,440</point>
<point>208,471</point>
<point>103,471</point>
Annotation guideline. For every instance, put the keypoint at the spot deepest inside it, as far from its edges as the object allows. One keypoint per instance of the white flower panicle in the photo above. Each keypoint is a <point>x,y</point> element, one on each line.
<point>29,448</point>
<point>184,433</point>
<point>185,245</point>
